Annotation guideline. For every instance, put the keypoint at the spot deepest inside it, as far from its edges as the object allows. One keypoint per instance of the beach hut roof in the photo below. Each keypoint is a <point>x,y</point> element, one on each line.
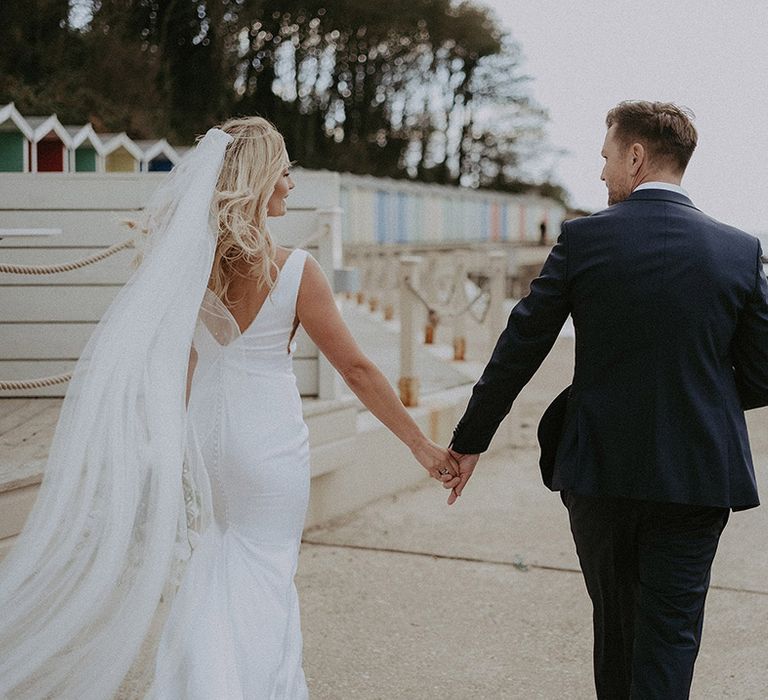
<point>80,134</point>
<point>42,126</point>
<point>9,112</point>
<point>111,142</point>
<point>182,151</point>
<point>153,148</point>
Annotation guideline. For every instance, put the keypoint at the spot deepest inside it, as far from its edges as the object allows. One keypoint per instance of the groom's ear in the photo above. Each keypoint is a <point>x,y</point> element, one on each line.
<point>636,156</point>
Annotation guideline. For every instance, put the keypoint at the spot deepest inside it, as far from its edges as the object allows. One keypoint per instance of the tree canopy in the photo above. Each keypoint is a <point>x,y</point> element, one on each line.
<point>426,89</point>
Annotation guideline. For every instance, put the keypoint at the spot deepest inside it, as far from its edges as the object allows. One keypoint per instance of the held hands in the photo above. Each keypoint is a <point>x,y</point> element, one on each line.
<point>438,461</point>
<point>450,468</point>
<point>467,464</point>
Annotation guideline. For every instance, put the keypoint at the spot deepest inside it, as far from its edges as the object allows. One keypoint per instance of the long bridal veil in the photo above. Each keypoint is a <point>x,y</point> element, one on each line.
<point>82,585</point>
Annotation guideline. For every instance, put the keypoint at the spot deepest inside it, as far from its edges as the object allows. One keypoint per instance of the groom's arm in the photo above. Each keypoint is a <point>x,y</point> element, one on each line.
<point>750,345</point>
<point>531,331</point>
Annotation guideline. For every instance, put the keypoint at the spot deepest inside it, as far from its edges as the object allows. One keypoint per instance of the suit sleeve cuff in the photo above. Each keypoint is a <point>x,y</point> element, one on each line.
<point>468,445</point>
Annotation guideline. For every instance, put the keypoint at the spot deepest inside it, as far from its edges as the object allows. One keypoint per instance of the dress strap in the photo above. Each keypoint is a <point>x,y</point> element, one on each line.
<point>291,275</point>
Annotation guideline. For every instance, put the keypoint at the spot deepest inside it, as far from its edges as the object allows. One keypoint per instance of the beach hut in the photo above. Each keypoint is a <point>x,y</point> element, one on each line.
<point>182,151</point>
<point>49,150</point>
<point>15,137</point>
<point>121,154</point>
<point>85,150</point>
<point>159,156</point>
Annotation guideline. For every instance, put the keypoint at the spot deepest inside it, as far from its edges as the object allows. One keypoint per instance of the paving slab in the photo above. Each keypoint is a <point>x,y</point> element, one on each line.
<point>383,626</point>
<point>503,516</point>
<point>408,598</point>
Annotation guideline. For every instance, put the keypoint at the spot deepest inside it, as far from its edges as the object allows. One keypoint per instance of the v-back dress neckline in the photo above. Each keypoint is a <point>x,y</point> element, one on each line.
<point>258,314</point>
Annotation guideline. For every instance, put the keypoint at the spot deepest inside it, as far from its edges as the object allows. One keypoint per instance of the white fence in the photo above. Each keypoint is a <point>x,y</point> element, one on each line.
<point>45,321</point>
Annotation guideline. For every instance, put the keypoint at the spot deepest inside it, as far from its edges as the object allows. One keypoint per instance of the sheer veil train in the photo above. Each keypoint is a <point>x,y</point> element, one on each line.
<point>117,508</point>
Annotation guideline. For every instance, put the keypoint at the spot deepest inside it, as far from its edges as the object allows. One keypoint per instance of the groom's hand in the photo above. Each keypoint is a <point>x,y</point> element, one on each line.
<point>467,464</point>
<point>438,461</point>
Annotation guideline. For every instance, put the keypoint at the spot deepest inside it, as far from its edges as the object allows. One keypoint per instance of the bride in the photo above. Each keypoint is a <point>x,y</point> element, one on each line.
<point>159,557</point>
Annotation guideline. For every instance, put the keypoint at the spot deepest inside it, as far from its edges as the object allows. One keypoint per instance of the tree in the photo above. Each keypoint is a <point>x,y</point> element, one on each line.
<point>426,89</point>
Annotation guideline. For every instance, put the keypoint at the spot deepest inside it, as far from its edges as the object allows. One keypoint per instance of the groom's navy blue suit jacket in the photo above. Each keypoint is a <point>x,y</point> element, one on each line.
<point>670,309</point>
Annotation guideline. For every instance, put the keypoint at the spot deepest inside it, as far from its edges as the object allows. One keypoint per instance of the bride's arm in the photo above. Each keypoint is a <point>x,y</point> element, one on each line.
<point>317,312</point>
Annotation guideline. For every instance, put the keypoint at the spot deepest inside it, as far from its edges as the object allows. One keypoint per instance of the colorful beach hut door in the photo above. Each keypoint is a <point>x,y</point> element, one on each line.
<point>12,152</point>
<point>121,161</point>
<point>161,164</point>
<point>85,160</point>
<point>50,154</point>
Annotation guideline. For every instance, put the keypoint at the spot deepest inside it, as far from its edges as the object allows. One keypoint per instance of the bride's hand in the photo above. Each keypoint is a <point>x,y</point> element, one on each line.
<point>438,461</point>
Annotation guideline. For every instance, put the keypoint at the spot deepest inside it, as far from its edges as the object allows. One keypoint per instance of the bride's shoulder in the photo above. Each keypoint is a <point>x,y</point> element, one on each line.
<point>313,278</point>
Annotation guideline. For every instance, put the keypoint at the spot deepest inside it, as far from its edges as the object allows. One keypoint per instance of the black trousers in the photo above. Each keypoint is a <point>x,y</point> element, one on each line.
<point>647,568</point>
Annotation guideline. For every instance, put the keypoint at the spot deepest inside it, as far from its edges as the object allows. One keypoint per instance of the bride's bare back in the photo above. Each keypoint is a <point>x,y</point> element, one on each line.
<point>248,296</point>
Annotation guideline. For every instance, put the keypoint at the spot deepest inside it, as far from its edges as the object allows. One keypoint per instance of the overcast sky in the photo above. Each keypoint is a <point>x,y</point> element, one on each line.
<point>709,55</point>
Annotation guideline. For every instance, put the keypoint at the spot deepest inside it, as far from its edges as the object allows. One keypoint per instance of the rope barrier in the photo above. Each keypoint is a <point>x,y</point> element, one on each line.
<point>66,267</point>
<point>481,318</point>
<point>41,383</point>
<point>432,312</point>
<point>98,257</point>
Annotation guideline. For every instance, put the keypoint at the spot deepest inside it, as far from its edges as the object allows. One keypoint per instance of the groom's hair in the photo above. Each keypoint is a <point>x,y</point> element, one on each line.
<point>666,130</point>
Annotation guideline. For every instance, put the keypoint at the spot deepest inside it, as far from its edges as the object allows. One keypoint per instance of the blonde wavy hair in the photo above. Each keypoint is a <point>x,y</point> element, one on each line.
<point>253,164</point>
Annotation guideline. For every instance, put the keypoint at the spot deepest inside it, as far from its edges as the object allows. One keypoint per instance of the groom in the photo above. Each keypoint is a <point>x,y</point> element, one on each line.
<point>651,453</point>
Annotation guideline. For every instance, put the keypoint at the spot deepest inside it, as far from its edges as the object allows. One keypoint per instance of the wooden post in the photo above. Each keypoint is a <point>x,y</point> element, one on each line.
<point>375,282</point>
<point>368,265</point>
<point>512,271</point>
<point>431,327</point>
<point>497,271</point>
<point>350,261</point>
<point>458,302</point>
<point>428,274</point>
<point>329,220</point>
<point>329,255</point>
<point>409,383</point>
<point>389,290</point>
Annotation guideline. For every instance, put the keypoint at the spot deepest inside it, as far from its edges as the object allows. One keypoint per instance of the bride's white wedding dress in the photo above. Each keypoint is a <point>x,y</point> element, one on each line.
<point>103,565</point>
<point>233,631</point>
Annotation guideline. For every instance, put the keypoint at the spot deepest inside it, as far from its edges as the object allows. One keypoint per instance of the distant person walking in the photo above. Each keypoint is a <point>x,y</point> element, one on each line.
<point>543,232</point>
<point>650,452</point>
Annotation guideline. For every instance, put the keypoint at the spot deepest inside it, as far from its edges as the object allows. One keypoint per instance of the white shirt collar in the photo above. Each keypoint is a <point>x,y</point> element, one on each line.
<point>662,186</point>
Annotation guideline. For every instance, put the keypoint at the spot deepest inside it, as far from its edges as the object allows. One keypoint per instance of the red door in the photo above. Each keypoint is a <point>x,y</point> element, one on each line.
<point>50,156</point>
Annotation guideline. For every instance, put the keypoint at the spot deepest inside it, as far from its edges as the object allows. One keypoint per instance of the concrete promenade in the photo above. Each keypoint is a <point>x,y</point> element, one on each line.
<point>410,599</point>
